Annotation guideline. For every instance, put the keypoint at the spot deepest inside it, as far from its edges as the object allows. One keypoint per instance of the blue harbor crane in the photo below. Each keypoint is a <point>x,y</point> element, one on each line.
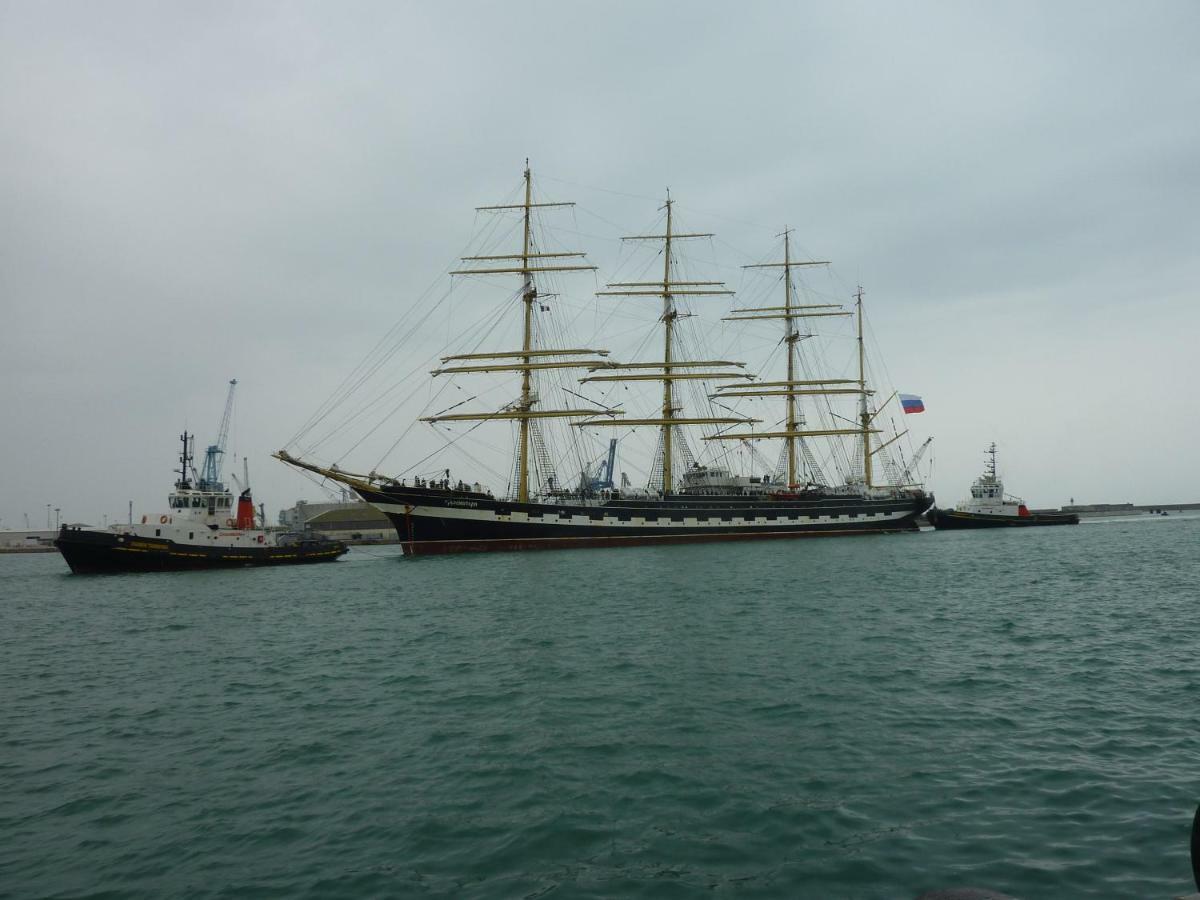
<point>210,472</point>
<point>601,476</point>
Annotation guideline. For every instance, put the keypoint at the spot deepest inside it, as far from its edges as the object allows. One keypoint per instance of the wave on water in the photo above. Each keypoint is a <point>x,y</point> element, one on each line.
<point>863,717</point>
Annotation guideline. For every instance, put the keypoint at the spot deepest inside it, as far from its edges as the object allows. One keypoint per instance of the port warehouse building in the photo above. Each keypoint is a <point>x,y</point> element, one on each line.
<point>352,521</point>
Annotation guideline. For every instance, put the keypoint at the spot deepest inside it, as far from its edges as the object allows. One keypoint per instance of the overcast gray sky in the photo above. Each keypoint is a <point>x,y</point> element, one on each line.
<point>197,191</point>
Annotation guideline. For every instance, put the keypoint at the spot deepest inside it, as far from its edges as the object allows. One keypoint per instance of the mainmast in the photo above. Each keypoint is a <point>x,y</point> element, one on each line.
<point>668,289</point>
<point>528,263</point>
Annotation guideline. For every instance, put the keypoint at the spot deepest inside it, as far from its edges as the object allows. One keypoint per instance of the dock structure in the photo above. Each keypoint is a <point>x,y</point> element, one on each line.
<point>1105,510</point>
<point>29,541</point>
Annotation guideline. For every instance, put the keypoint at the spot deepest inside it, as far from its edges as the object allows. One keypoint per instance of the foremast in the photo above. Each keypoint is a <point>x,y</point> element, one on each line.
<point>527,263</point>
<point>669,367</point>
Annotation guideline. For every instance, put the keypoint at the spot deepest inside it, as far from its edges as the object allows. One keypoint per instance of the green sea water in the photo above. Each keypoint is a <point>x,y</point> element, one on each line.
<point>845,717</point>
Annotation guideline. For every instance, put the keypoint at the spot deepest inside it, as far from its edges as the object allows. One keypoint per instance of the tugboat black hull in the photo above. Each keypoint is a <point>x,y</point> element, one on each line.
<point>432,521</point>
<point>97,552</point>
<point>957,519</point>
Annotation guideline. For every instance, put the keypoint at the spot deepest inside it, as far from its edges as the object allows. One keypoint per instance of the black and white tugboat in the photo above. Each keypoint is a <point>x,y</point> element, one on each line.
<point>203,528</point>
<point>990,507</point>
<point>690,495</point>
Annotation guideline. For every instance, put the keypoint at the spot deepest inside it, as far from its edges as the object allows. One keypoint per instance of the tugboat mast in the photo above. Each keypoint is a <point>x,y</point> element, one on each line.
<point>185,462</point>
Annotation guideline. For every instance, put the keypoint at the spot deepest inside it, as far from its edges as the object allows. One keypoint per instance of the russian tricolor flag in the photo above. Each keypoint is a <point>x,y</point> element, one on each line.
<point>912,403</point>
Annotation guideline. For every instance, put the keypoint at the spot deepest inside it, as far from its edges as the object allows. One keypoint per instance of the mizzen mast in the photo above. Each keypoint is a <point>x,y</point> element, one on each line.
<point>528,360</point>
<point>668,289</point>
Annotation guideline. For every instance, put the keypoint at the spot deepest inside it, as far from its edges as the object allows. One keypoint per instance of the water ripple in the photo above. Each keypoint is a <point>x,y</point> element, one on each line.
<point>844,718</point>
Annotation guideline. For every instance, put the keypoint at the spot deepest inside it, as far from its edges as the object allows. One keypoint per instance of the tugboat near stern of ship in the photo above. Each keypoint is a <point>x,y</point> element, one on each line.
<point>989,507</point>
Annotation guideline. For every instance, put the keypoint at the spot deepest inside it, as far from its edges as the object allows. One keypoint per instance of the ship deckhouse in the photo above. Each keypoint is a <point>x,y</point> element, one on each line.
<point>201,504</point>
<point>987,493</point>
<point>204,501</point>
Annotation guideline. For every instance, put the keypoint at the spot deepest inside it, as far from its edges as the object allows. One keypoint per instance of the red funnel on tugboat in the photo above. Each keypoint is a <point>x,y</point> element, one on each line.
<point>245,511</point>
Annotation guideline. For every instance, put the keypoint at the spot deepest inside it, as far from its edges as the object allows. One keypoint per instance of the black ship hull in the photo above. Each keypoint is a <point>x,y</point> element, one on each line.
<point>957,519</point>
<point>90,552</point>
<point>436,521</point>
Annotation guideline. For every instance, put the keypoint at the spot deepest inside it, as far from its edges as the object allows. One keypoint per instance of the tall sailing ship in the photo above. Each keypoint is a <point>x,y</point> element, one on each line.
<point>685,500</point>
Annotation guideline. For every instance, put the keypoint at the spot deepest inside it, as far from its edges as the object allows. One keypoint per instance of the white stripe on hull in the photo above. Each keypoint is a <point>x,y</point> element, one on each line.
<point>611,521</point>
